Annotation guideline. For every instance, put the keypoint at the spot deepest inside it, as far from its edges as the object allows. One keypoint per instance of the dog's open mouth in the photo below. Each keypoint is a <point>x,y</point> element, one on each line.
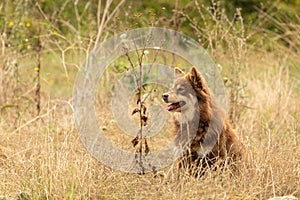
<point>175,106</point>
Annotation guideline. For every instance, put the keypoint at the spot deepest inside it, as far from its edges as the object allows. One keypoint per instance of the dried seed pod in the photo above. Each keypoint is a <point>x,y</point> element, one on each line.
<point>144,108</point>
<point>147,149</point>
<point>144,120</point>
<point>136,110</point>
<point>135,141</point>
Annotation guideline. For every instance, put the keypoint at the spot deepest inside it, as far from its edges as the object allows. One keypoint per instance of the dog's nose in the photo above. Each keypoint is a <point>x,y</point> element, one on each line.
<point>165,96</point>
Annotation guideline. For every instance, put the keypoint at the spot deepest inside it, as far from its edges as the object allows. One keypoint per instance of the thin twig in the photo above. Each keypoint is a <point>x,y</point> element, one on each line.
<point>38,69</point>
<point>105,18</point>
<point>33,120</point>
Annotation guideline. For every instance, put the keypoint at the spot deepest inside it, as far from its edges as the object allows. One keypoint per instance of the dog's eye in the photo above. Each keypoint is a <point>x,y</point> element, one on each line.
<point>181,89</point>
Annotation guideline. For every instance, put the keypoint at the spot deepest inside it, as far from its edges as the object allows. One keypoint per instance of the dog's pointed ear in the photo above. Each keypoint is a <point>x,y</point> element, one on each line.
<point>178,72</point>
<point>196,78</point>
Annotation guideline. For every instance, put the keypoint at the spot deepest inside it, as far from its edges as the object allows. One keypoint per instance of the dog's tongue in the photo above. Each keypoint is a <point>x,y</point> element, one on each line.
<point>172,106</point>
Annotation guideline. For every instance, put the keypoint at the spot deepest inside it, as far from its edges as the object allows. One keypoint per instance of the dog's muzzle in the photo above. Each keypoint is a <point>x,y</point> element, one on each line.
<point>173,106</point>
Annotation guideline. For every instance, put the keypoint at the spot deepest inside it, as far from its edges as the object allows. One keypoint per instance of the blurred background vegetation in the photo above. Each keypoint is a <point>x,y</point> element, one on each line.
<point>22,21</point>
<point>44,42</point>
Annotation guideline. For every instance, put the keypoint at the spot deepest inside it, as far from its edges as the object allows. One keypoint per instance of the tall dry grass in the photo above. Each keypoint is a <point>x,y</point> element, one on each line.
<point>41,157</point>
<point>45,159</point>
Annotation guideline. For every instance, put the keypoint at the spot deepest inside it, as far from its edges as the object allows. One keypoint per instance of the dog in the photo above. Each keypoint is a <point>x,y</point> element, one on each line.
<point>201,126</point>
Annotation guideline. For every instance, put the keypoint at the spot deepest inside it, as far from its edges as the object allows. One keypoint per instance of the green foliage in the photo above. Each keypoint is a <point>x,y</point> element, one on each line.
<point>23,20</point>
<point>19,26</point>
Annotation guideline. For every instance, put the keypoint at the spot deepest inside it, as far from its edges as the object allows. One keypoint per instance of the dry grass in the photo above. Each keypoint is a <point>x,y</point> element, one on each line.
<point>42,157</point>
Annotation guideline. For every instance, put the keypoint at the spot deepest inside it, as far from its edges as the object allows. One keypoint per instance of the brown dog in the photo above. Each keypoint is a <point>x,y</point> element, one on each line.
<point>201,125</point>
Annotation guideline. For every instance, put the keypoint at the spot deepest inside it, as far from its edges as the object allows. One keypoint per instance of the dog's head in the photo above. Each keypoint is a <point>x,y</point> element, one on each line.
<point>188,89</point>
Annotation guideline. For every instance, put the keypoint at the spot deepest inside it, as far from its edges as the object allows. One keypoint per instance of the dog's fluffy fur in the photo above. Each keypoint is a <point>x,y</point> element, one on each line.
<point>195,109</point>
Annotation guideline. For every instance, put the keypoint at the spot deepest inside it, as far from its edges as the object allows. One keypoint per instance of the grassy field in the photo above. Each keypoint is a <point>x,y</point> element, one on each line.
<point>42,157</point>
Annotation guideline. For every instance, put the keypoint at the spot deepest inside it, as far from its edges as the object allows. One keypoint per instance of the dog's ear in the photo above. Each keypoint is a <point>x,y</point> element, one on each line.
<point>196,78</point>
<point>178,72</point>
